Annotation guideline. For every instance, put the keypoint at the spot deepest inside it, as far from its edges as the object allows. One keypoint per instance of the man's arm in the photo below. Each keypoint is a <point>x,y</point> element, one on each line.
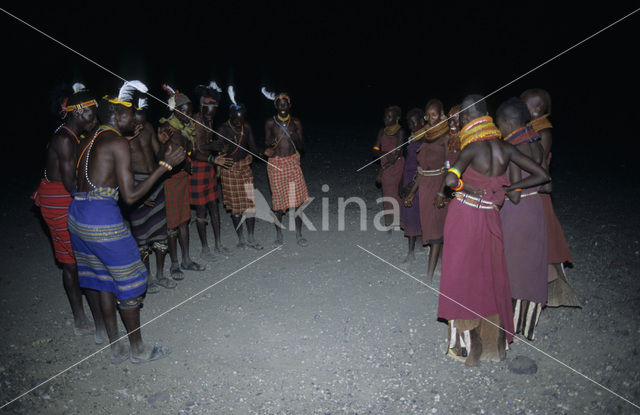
<point>122,158</point>
<point>300,141</point>
<point>251,144</point>
<point>268,134</point>
<point>155,144</point>
<point>65,150</point>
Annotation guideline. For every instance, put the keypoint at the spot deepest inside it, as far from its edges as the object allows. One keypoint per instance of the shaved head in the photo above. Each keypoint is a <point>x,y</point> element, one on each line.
<point>539,98</point>
<point>477,107</point>
<point>514,110</point>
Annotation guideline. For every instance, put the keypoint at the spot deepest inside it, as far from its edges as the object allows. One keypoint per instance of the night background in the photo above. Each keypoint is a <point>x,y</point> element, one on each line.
<point>342,62</point>
<point>328,328</point>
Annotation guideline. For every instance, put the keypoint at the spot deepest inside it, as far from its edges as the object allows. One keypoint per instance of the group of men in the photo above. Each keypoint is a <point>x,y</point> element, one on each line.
<point>479,195</point>
<point>107,151</point>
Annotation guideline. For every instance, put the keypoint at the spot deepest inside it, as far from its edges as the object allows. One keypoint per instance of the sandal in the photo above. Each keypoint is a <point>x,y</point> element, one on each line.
<point>78,331</point>
<point>166,283</point>
<point>116,359</point>
<point>176,273</point>
<point>193,266</point>
<point>157,352</point>
<point>153,288</point>
<point>255,245</point>
<point>222,250</point>
<point>208,256</point>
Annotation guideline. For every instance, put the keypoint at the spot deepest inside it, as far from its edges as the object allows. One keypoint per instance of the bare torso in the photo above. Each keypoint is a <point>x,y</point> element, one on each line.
<point>61,157</point>
<point>243,137</point>
<point>144,148</point>
<point>288,135</point>
<point>203,138</point>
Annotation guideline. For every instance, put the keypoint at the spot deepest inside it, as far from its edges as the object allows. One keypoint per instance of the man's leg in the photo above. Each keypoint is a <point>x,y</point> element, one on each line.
<point>214,213</point>
<point>251,224</point>
<point>93,298</point>
<point>201,225</point>
<point>434,254</point>
<point>152,287</point>
<point>81,325</point>
<point>108,306</point>
<point>160,249</point>
<point>176,273</point>
<point>235,219</point>
<point>279,238</point>
<point>183,237</point>
<point>130,314</point>
<point>301,241</point>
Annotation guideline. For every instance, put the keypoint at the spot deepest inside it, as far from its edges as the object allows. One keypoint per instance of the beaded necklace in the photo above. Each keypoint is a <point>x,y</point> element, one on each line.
<point>434,132</point>
<point>285,119</point>
<point>101,129</point>
<point>526,134</point>
<point>541,123</point>
<point>235,132</point>
<point>392,129</point>
<point>480,129</point>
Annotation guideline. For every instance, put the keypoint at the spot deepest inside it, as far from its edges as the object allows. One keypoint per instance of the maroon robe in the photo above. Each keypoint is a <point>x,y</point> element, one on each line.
<point>474,279</point>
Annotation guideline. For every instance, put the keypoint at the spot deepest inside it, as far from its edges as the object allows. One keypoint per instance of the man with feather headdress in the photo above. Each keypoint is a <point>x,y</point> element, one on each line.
<point>107,255</point>
<point>283,143</point>
<point>178,130</point>
<point>203,185</point>
<point>78,109</point>
<point>237,180</point>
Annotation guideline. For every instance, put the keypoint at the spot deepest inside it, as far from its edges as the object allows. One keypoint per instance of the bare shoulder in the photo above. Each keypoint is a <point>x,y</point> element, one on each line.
<point>296,121</point>
<point>269,122</point>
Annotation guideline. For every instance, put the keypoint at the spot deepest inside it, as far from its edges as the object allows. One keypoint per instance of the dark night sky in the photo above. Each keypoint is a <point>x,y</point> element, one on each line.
<point>342,63</point>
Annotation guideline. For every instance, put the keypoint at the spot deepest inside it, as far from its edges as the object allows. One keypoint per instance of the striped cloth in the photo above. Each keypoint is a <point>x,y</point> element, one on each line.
<point>202,186</point>
<point>288,188</point>
<point>149,223</point>
<point>53,200</point>
<point>176,190</point>
<point>237,186</point>
<point>107,255</point>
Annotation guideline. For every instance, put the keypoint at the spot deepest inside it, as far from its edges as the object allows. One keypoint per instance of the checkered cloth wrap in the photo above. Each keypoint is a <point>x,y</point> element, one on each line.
<point>236,196</point>
<point>202,186</point>
<point>53,200</point>
<point>288,188</point>
<point>176,191</point>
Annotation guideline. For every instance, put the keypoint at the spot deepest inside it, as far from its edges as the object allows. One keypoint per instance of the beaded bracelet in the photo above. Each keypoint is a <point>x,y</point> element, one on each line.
<point>455,171</point>
<point>165,165</point>
<point>459,187</point>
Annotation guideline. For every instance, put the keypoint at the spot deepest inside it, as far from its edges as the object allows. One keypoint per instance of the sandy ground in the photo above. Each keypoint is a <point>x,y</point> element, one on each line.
<point>327,329</point>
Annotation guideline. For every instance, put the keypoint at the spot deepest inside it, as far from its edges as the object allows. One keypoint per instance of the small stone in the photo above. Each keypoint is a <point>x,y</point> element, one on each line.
<point>523,365</point>
<point>159,397</point>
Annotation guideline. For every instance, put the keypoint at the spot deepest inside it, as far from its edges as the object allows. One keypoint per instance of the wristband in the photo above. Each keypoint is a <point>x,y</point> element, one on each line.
<point>455,171</point>
<point>459,187</point>
<point>211,159</point>
<point>165,165</point>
